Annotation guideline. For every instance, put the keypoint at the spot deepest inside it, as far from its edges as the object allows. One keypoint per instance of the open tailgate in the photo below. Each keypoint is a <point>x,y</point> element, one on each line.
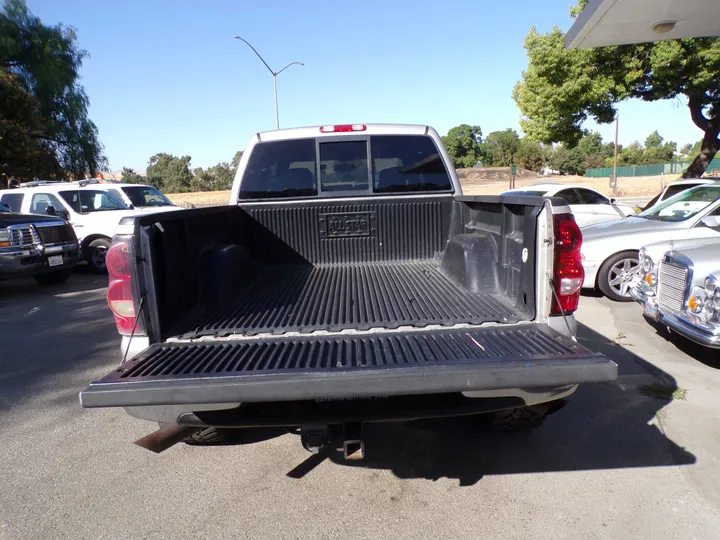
<point>348,366</point>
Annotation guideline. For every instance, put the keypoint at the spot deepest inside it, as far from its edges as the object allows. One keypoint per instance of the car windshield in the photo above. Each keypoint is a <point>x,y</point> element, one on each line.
<point>86,201</point>
<point>146,196</point>
<point>685,205</point>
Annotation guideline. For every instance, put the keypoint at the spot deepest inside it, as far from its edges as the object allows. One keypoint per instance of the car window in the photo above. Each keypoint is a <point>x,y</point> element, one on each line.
<point>146,196</point>
<point>280,169</point>
<point>407,163</point>
<point>13,200</point>
<point>685,205</point>
<point>4,207</point>
<point>117,194</point>
<point>85,201</point>
<point>570,196</point>
<point>588,196</point>
<point>344,166</point>
<point>40,202</point>
<point>671,191</point>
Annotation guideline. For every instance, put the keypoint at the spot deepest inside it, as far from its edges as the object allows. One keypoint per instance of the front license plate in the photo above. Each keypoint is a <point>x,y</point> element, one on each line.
<point>55,260</point>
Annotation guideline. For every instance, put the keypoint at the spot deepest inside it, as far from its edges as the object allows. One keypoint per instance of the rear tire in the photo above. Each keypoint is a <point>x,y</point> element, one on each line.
<point>521,419</point>
<point>213,436</point>
<point>95,255</point>
<point>210,436</point>
<point>613,279</point>
<point>50,278</point>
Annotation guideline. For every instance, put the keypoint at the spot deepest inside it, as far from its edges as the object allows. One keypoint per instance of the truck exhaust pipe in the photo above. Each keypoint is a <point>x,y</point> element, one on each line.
<point>162,439</point>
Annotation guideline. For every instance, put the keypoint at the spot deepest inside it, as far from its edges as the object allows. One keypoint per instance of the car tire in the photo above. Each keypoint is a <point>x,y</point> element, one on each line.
<point>520,419</point>
<point>95,255</point>
<point>210,437</point>
<point>613,278</point>
<point>50,278</point>
<point>213,436</point>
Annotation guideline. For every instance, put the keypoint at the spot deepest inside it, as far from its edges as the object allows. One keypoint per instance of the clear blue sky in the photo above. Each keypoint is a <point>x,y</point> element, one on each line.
<point>166,76</point>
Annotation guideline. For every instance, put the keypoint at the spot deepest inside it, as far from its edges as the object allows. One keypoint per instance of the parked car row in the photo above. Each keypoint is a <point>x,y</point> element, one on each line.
<point>46,227</point>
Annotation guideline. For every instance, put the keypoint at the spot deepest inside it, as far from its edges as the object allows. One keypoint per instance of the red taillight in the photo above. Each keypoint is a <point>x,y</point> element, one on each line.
<point>568,272</point>
<point>120,290</point>
<point>343,128</point>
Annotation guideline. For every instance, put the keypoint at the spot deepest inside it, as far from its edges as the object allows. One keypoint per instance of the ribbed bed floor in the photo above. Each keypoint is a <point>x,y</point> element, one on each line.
<point>335,297</point>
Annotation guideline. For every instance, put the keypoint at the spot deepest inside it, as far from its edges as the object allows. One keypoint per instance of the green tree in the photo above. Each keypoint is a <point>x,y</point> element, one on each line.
<point>463,145</point>
<point>45,60</point>
<point>530,155</point>
<point>129,176</point>
<point>169,173</point>
<point>562,88</point>
<point>697,147</point>
<point>654,140</point>
<point>22,154</point>
<point>568,160</point>
<point>500,147</point>
<point>660,154</point>
<point>632,154</point>
<point>686,149</point>
<point>217,178</point>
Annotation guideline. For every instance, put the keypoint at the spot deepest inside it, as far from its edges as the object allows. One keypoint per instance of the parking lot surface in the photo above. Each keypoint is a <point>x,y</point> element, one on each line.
<point>636,459</point>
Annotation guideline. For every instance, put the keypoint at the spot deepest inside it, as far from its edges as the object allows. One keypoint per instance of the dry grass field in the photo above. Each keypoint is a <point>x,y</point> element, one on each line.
<point>490,181</point>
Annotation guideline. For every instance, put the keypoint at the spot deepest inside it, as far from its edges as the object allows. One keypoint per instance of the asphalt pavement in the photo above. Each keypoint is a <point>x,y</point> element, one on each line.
<point>637,459</point>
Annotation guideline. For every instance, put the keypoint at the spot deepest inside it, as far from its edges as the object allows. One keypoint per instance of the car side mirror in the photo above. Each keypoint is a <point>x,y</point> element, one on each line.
<point>712,222</point>
<point>131,206</point>
<point>613,200</point>
<point>50,211</point>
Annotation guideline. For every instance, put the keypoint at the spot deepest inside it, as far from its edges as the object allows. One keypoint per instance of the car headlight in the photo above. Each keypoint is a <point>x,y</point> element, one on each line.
<point>647,264</point>
<point>4,238</point>
<point>712,302</point>
<point>711,287</point>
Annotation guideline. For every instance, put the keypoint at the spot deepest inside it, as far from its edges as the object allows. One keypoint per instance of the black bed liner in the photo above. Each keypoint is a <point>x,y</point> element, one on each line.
<point>348,366</point>
<point>303,298</point>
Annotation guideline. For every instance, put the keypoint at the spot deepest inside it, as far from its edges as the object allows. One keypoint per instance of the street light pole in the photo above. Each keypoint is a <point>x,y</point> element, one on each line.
<point>274,74</point>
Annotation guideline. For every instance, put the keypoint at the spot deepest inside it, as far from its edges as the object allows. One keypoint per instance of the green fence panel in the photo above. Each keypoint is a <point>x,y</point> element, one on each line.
<point>654,169</point>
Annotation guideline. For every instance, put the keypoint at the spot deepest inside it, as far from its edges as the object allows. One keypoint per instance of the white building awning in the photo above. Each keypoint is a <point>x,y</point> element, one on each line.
<point>621,22</point>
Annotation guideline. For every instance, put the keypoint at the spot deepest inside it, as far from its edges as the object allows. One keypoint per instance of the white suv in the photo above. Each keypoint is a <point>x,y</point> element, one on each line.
<point>92,211</point>
<point>139,196</point>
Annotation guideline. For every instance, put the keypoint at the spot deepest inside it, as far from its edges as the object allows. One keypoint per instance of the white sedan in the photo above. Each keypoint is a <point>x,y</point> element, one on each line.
<point>610,250</point>
<point>587,205</point>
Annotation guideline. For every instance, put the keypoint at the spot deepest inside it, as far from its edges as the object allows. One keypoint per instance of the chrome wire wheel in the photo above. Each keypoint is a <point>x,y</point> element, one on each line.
<point>622,275</point>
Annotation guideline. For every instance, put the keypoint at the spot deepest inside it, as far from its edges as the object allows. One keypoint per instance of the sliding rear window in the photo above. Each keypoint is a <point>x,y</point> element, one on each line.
<point>353,165</point>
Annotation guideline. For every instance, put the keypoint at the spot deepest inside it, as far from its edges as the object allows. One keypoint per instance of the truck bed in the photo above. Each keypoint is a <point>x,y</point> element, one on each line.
<point>303,298</point>
<point>332,266</point>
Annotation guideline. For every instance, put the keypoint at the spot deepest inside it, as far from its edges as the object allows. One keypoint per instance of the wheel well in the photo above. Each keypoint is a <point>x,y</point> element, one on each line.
<point>88,239</point>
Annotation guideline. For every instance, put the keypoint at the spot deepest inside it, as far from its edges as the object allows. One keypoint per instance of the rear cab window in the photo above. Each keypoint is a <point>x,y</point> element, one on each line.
<point>353,165</point>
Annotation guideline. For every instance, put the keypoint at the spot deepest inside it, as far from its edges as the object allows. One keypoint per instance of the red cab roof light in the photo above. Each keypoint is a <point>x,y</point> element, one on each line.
<point>343,128</point>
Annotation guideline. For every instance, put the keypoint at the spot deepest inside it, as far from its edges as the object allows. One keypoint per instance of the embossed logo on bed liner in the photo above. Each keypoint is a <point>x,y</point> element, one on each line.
<point>347,224</point>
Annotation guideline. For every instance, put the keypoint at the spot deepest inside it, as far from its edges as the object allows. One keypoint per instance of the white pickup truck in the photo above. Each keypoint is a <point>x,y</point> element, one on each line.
<point>349,280</point>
